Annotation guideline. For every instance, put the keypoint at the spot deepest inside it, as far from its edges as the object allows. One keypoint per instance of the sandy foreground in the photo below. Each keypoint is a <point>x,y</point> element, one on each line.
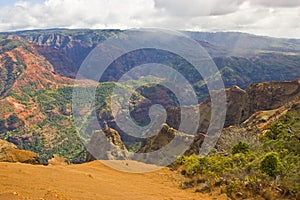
<point>90,181</point>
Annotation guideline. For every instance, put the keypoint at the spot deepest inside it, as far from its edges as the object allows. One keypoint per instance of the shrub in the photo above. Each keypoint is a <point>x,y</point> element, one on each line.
<point>271,164</point>
<point>241,147</point>
<point>13,119</point>
<point>233,186</point>
<point>192,164</point>
<point>2,124</point>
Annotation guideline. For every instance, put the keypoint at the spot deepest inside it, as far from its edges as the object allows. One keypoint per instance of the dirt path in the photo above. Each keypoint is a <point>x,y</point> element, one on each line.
<point>90,181</point>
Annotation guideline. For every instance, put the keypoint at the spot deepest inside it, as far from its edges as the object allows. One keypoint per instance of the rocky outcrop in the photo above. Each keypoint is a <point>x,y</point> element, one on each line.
<point>114,138</point>
<point>241,104</point>
<point>255,126</point>
<point>236,101</point>
<point>57,160</point>
<point>159,140</point>
<point>252,109</point>
<point>106,145</point>
<point>270,95</point>
<point>166,135</point>
<point>262,119</point>
<point>10,153</point>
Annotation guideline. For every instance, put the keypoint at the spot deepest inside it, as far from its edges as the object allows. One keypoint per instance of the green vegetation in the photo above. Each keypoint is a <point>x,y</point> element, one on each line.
<point>10,44</point>
<point>9,73</point>
<point>56,105</point>
<point>271,164</point>
<point>56,134</point>
<point>2,125</point>
<point>87,36</point>
<point>241,147</point>
<point>271,169</point>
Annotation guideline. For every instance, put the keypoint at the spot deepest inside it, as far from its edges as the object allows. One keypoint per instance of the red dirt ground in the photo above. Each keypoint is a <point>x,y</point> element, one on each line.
<point>90,181</point>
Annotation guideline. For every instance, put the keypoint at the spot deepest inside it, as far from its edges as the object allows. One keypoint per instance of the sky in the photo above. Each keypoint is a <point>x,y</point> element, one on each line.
<point>276,18</point>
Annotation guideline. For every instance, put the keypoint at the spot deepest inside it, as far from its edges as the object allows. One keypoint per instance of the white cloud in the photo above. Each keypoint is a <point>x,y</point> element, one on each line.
<point>274,18</point>
<point>276,3</point>
<point>198,7</point>
<point>74,13</point>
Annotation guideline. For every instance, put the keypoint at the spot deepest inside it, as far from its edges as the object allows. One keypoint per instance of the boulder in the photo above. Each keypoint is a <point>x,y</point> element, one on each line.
<point>10,153</point>
<point>57,160</point>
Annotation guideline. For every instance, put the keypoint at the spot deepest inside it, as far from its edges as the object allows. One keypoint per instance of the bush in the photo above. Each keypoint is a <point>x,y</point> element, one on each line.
<point>2,124</point>
<point>241,147</point>
<point>12,119</point>
<point>242,172</point>
<point>271,164</point>
<point>192,164</point>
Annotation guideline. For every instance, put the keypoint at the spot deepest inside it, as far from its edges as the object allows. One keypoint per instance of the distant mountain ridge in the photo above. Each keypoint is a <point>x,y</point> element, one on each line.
<point>242,58</point>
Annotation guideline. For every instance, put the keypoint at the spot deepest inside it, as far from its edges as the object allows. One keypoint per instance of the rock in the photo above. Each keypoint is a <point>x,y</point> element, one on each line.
<point>10,153</point>
<point>7,145</point>
<point>163,137</point>
<point>196,144</point>
<point>239,195</point>
<point>106,145</point>
<point>187,184</point>
<point>203,188</point>
<point>258,106</point>
<point>114,137</point>
<point>262,119</point>
<point>159,140</point>
<point>57,160</point>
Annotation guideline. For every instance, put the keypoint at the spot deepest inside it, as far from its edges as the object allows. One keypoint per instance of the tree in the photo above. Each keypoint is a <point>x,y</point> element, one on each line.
<point>271,164</point>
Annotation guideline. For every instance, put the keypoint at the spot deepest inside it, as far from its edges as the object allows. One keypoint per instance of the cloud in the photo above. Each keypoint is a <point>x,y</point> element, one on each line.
<point>274,18</point>
<point>74,13</point>
<point>198,7</point>
<point>276,3</point>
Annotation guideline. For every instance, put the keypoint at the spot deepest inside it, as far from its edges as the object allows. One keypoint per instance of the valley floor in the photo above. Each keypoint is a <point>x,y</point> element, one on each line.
<point>90,181</point>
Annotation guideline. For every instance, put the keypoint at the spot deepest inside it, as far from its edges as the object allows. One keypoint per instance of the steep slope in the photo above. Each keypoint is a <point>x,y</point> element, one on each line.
<point>26,118</point>
<point>22,66</point>
<point>243,71</point>
<point>66,49</point>
<point>256,107</point>
<point>241,104</point>
<point>23,72</point>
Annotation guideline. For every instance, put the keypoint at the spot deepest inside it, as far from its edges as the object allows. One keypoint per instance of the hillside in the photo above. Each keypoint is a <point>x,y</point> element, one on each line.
<point>258,159</point>
<point>25,118</point>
